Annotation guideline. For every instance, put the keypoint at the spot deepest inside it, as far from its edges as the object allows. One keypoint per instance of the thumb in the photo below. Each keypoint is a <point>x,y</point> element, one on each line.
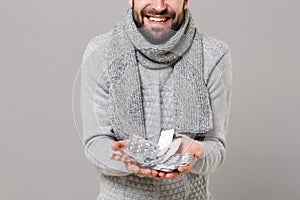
<point>197,154</point>
<point>117,146</point>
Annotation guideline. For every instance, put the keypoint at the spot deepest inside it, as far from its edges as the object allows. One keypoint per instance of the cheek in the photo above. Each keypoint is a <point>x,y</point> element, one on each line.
<point>175,4</point>
<point>177,8</point>
<point>138,10</point>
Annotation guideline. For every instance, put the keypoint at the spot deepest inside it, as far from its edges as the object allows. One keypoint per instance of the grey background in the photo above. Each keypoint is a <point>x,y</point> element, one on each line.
<point>41,47</point>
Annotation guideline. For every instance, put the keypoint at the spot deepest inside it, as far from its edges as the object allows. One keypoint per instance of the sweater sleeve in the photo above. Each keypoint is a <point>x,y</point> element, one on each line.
<point>219,84</point>
<point>97,134</point>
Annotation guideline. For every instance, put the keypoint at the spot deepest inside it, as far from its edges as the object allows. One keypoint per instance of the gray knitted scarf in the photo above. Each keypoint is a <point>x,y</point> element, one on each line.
<point>183,51</point>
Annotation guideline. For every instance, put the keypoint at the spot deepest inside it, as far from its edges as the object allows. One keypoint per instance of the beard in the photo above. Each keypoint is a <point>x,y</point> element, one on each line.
<point>157,35</point>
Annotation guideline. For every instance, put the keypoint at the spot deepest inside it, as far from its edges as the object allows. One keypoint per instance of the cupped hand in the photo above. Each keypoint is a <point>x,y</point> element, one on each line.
<point>189,146</point>
<point>129,164</point>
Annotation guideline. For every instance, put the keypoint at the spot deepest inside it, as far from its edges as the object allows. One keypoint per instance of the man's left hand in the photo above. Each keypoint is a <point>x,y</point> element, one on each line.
<point>187,145</point>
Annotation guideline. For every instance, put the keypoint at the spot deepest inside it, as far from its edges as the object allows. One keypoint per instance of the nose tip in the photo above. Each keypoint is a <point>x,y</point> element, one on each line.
<point>159,5</point>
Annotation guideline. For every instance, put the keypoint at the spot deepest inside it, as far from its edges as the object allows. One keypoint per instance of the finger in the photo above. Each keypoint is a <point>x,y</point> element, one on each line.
<point>116,146</point>
<point>132,168</point>
<point>116,157</point>
<point>181,169</point>
<point>154,173</point>
<point>128,159</point>
<point>197,154</point>
<point>123,157</point>
<point>185,169</point>
<point>161,174</point>
<point>173,175</point>
<point>141,175</point>
<point>146,172</point>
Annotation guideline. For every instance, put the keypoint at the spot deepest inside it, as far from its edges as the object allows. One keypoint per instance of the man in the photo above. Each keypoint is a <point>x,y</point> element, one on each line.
<point>155,71</point>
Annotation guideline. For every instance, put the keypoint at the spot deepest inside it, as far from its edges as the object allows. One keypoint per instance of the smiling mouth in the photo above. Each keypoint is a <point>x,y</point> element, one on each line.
<point>158,19</point>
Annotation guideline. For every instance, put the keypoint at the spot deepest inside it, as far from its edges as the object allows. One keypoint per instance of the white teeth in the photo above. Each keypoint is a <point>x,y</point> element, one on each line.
<point>156,19</point>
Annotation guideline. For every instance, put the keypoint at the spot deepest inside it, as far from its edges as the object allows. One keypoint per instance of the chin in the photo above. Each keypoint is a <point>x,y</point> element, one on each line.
<point>157,36</point>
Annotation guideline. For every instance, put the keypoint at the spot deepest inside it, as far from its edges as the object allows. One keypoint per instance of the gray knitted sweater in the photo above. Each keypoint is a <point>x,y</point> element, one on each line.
<point>116,182</point>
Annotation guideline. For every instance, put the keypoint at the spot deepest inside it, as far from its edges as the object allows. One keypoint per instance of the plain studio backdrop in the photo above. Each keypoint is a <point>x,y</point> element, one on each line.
<point>41,48</point>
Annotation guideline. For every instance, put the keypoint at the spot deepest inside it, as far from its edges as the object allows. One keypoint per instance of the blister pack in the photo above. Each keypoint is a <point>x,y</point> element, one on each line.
<point>162,156</point>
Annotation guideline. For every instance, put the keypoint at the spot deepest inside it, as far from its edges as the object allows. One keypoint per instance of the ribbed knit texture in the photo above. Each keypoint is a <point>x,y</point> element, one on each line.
<point>158,100</point>
<point>158,108</point>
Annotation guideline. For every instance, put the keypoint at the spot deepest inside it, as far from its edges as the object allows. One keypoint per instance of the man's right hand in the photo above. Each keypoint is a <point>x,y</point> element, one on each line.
<point>130,166</point>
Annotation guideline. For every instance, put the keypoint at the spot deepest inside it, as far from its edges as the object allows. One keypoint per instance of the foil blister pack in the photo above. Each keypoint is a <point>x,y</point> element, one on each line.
<point>162,156</point>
